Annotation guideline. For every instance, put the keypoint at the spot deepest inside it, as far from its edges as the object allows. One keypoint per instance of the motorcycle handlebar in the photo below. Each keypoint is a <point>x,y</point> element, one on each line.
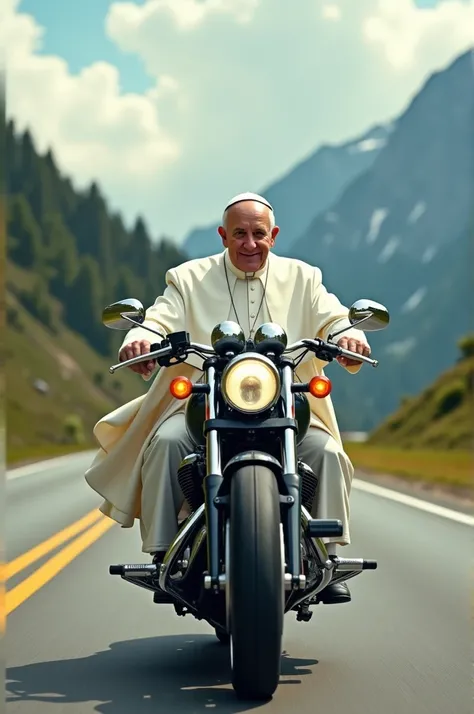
<point>362,358</point>
<point>155,354</point>
<point>329,348</point>
<point>312,345</point>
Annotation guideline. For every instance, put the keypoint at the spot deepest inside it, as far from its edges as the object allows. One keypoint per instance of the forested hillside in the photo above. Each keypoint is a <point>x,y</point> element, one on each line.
<point>68,256</point>
<point>77,250</point>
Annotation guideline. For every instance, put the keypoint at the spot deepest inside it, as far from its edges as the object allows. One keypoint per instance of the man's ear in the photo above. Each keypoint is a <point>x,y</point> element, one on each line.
<point>275,232</point>
<point>223,235</point>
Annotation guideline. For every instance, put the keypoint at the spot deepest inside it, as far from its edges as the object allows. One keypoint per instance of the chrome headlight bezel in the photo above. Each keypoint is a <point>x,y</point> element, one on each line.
<point>250,357</point>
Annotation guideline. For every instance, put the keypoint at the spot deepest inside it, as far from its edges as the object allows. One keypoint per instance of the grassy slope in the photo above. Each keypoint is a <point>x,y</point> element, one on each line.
<point>35,421</point>
<point>426,422</point>
<point>424,440</point>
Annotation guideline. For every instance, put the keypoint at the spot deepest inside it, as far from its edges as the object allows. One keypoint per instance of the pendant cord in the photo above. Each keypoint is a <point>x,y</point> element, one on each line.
<point>232,298</point>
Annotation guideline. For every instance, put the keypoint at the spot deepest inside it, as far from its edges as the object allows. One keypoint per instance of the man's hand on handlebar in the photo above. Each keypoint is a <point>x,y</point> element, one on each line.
<point>135,349</point>
<point>352,345</point>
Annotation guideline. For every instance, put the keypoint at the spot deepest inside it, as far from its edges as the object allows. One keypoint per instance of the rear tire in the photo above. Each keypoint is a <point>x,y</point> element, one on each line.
<point>255,583</point>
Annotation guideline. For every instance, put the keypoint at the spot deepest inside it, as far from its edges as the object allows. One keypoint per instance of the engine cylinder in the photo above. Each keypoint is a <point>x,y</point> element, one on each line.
<point>190,480</point>
<point>309,485</point>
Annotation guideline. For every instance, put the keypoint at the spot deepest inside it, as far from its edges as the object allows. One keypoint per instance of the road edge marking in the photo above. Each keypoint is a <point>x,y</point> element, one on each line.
<point>421,505</point>
<point>33,583</point>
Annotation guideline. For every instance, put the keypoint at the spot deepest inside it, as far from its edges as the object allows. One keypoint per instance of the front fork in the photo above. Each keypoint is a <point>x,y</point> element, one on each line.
<point>295,580</point>
<point>212,482</point>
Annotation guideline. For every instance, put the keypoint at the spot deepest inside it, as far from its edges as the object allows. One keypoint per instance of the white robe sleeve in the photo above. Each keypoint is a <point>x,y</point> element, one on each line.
<point>167,314</point>
<point>331,315</point>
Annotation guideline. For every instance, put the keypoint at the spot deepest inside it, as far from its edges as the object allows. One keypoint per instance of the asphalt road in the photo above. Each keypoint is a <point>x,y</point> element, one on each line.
<point>88,642</point>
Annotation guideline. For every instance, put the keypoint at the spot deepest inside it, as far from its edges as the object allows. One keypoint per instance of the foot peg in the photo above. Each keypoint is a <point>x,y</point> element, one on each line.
<point>116,570</point>
<point>350,564</point>
<point>325,528</point>
<point>140,570</point>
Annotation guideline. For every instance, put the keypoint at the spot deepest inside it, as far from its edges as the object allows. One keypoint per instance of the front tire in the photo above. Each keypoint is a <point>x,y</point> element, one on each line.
<point>255,583</point>
<point>222,636</point>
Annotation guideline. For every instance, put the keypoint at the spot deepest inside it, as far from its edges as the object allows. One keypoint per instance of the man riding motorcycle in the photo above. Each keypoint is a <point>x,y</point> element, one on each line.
<point>143,442</point>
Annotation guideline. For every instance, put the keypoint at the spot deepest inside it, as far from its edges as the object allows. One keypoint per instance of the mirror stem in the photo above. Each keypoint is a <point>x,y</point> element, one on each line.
<point>355,324</point>
<point>145,327</point>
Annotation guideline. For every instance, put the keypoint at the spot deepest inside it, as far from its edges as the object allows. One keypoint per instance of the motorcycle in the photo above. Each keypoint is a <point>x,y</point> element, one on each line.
<point>249,551</point>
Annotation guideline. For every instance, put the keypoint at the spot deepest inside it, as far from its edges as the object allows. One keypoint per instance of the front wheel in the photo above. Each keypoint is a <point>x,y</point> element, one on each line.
<point>255,583</point>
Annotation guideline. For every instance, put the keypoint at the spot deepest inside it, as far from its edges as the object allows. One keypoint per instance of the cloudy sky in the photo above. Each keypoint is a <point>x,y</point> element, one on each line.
<point>173,106</point>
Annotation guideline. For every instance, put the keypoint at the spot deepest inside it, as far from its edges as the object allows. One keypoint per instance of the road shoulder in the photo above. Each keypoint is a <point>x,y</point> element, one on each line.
<point>445,497</point>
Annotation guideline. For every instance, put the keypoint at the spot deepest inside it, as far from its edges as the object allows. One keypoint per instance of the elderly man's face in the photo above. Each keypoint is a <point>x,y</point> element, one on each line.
<point>247,235</point>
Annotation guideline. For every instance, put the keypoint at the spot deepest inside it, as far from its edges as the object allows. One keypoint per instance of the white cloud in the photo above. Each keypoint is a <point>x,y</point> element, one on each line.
<point>97,132</point>
<point>408,35</point>
<point>186,14</point>
<point>244,88</point>
<point>331,12</point>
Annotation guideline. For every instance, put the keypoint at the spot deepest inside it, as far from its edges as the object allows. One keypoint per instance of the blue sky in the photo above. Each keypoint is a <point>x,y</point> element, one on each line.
<point>74,29</point>
<point>174,106</point>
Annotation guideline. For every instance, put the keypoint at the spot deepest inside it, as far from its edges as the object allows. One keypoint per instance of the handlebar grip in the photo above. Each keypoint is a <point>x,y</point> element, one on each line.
<point>358,357</point>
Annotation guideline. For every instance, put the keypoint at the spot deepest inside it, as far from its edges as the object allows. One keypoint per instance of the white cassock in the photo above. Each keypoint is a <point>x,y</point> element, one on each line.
<point>143,442</point>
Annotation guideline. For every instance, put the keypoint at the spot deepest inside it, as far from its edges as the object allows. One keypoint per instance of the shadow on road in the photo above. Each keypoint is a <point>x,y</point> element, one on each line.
<point>184,673</point>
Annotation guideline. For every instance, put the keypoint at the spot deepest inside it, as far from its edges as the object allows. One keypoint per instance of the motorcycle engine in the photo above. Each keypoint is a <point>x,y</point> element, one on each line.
<point>190,476</point>
<point>309,485</point>
<point>192,471</point>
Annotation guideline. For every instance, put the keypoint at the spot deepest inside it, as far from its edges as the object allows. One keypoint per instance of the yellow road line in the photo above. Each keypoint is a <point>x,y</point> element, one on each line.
<point>3,614</point>
<point>28,587</point>
<point>31,556</point>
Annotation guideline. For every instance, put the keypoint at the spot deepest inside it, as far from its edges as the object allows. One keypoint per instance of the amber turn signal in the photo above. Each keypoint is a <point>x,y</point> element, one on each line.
<point>320,387</point>
<point>181,387</point>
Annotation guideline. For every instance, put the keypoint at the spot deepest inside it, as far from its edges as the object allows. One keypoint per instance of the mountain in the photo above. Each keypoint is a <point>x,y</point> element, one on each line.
<point>418,192</point>
<point>68,257</point>
<point>402,233</point>
<point>310,187</point>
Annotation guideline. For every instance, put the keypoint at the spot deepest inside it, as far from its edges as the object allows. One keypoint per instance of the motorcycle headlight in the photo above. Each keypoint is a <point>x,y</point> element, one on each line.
<point>250,384</point>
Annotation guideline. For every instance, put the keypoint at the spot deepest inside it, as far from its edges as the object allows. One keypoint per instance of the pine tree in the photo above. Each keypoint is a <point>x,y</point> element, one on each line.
<point>25,240</point>
<point>60,254</point>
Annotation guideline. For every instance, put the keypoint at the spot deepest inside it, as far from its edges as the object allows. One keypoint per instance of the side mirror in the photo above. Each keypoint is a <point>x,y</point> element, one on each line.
<point>373,315</point>
<point>123,315</point>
